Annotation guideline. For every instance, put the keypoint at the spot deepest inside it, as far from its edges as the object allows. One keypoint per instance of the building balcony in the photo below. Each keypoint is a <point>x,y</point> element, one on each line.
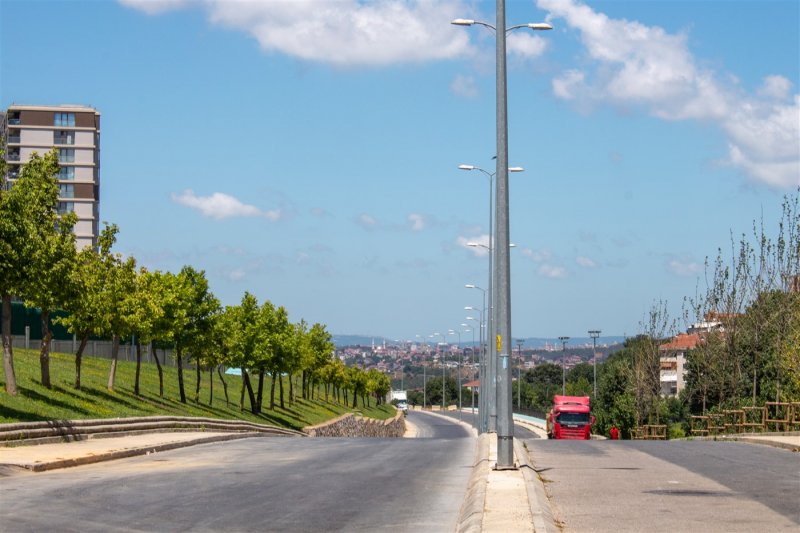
<point>14,139</point>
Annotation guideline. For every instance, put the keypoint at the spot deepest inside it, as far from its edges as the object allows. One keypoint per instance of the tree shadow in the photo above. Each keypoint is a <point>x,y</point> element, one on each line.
<point>50,401</point>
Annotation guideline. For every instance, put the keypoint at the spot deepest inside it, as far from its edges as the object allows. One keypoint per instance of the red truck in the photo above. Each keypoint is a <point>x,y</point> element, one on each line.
<point>569,418</point>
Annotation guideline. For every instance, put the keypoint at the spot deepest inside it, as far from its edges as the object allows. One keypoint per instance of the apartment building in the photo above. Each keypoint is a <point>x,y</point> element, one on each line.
<point>673,362</point>
<point>75,132</point>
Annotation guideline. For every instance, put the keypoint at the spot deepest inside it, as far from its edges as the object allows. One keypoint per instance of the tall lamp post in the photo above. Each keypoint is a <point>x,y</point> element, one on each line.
<point>424,376</point>
<point>460,355</point>
<point>501,302</point>
<point>479,426</point>
<point>444,341</point>
<point>520,342</point>
<point>594,333</point>
<point>563,364</point>
<point>491,390</point>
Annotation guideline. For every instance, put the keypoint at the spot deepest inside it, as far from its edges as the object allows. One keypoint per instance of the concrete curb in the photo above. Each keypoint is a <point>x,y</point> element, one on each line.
<point>131,452</point>
<point>470,517</point>
<point>764,441</point>
<point>541,511</point>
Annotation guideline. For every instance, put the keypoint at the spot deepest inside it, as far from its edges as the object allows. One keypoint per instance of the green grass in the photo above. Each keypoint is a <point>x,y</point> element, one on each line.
<point>63,402</point>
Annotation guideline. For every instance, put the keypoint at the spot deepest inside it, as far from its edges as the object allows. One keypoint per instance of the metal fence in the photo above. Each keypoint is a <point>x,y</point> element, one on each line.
<point>127,352</point>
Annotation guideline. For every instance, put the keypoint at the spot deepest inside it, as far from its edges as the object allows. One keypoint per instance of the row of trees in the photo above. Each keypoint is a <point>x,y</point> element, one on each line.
<point>747,319</point>
<point>108,296</point>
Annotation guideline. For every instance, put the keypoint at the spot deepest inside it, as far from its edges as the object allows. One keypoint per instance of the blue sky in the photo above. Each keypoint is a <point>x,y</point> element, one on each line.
<point>307,151</point>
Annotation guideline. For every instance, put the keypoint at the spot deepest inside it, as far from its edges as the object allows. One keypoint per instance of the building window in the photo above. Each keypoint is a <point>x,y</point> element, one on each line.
<point>13,137</point>
<point>66,190</point>
<point>66,155</point>
<point>63,137</point>
<point>64,119</point>
<point>66,173</point>
<point>65,207</point>
<point>13,155</point>
<point>13,172</point>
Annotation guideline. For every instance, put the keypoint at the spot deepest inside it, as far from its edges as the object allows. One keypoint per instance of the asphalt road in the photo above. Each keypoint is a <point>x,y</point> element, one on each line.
<point>520,431</point>
<point>258,484</point>
<point>670,486</point>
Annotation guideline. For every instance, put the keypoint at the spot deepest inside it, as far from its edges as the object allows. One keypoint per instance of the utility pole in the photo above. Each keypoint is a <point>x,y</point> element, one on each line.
<point>594,333</point>
<point>563,364</point>
<point>520,342</point>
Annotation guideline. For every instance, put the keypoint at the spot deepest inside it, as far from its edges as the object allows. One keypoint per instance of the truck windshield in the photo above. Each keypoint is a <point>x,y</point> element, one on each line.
<point>573,418</point>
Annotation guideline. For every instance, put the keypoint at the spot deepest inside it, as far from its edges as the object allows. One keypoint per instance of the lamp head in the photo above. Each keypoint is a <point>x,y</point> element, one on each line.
<point>462,22</point>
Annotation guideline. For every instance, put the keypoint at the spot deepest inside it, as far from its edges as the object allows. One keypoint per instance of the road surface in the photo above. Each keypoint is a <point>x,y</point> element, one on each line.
<point>670,486</point>
<point>257,484</point>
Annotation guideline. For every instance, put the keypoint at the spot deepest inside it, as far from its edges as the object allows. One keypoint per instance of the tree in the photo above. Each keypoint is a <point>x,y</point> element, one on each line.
<point>120,304</point>
<point>191,314</point>
<point>145,312</point>
<point>86,305</point>
<point>27,213</point>
<point>53,247</point>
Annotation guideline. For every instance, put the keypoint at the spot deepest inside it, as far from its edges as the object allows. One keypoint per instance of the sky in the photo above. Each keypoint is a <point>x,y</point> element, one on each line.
<point>307,151</point>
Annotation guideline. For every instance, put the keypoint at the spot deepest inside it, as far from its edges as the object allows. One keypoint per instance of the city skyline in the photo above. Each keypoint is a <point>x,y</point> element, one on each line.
<point>309,153</point>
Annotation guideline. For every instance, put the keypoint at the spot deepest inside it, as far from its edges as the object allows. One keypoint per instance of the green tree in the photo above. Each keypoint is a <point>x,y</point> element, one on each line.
<point>53,248</point>
<point>146,311</point>
<point>86,304</point>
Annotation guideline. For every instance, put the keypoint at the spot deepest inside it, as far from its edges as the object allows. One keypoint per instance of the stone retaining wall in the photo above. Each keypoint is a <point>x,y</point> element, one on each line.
<point>351,425</point>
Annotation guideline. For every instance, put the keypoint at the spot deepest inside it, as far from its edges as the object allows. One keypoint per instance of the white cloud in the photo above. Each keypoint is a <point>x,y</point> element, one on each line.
<point>482,250</point>
<point>646,67</point>
<point>525,45</point>
<point>237,274</point>
<point>416,221</point>
<point>220,206</point>
<point>585,262</point>
<point>155,7</point>
<point>684,267</point>
<point>344,33</point>
<point>366,221</point>
<point>537,256</point>
<point>464,86</point>
<point>552,271</point>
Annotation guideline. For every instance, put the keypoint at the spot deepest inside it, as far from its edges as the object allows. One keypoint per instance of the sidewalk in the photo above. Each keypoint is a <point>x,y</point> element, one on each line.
<point>37,458</point>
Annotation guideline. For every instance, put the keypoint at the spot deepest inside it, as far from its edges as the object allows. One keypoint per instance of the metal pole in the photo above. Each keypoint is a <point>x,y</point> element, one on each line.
<point>563,364</point>
<point>519,375</point>
<point>502,298</point>
<point>594,334</point>
<point>491,362</point>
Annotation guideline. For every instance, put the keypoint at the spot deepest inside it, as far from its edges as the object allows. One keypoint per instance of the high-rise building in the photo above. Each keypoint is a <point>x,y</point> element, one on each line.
<point>75,132</point>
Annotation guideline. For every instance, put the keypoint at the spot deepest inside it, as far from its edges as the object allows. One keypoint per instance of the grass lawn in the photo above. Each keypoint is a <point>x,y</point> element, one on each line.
<point>94,400</point>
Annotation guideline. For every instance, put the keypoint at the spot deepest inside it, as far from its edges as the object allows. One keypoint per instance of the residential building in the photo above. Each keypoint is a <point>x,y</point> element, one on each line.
<point>74,131</point>
<point>672,359</point>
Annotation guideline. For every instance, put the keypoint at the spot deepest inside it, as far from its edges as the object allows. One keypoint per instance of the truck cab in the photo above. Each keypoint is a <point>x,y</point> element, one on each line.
<point>570,418</point>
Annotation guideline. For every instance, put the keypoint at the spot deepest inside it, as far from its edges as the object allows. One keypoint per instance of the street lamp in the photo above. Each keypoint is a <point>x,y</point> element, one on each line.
<point>563,364</point>
<point>594,333</point>
<point>424,376</point>
<point>501,302</point>
<point>520,342</point>
<point>479,426</point>
<point>444,341</point>
<point>458,364</point>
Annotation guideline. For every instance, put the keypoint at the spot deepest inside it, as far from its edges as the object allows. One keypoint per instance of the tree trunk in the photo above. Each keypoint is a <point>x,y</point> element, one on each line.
<point>260,397</point>
<point>44,353</point>
<point>304,393</point>
<point>179,360</point>
<point>114,354</point>
<point>197,382</point>
<point>79,359</point>
<point>241,391</point>
<point>138,366</point>
<point>224,385</point>
<point>291,389</point>
<point>280,383</point>
<point>210,387</point>
<point>250,394</point>
<point>355,399</point>
<point>8,351</point>
<point>154,351</point>
<point>272,392</point>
